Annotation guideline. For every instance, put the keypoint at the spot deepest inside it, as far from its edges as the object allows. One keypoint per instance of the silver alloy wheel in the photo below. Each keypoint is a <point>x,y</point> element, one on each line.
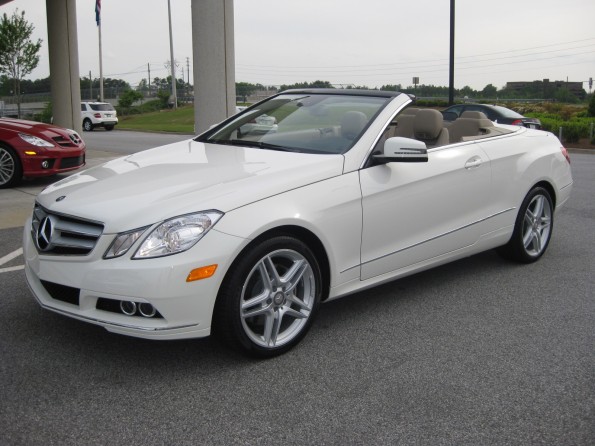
<point>277,298</point>
<point>537,224</point>
<point>7,166</point>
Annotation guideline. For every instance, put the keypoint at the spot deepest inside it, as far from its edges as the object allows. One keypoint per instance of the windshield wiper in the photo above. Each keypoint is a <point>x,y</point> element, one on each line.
<point>258,144</point>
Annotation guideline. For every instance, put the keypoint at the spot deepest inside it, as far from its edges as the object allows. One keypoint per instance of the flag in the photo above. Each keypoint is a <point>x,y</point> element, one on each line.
<point>98,11</point>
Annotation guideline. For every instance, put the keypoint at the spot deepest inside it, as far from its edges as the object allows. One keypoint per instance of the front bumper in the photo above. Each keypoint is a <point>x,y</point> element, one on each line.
<point>58,161</point>
<point>79,284</point>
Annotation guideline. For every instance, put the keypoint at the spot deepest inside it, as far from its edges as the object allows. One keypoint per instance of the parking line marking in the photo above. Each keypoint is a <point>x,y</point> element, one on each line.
<point>13,255</point>
<point>12,268</point>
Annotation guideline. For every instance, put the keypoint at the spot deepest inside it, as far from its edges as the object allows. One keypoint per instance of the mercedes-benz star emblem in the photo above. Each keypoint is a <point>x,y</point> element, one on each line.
<point>45,232</point>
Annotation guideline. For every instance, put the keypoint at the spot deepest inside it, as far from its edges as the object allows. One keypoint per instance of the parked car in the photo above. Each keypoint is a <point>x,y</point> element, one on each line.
<point>98,114</point>
<point>244,233</point>
<point>34,149</point>
<point>495,113</point>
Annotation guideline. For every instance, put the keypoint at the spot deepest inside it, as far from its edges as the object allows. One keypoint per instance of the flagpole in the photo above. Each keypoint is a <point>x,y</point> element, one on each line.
<point>98,19</point>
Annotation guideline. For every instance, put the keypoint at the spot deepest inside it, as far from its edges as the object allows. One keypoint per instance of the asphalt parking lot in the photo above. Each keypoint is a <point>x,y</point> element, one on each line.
<point>478,352</point>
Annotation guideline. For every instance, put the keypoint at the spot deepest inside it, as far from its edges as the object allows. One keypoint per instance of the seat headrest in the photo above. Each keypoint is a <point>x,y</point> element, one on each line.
<point>352,123</point>
<point>473,115</point>
<point>428,124</point>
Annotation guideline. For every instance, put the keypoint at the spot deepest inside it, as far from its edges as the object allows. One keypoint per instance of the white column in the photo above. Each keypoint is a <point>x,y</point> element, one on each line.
<point>214,62</point>
<point>64,63</point>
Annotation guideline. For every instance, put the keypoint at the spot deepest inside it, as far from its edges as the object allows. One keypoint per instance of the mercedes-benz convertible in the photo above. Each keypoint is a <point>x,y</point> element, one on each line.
<point>305,197</point>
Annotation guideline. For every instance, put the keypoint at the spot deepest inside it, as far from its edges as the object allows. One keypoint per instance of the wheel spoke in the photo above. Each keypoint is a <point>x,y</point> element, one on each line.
<point>539,206</point>
<point>295,314</point>
<point>293,275</point>
<point>268,268</point>
<point>271,328</point>
<point>265,270</point>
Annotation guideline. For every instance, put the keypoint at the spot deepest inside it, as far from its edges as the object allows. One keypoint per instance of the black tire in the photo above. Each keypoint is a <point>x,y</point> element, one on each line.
<point>269,297</point>
<point>109,128</point>
<point>532,229</point>
<point>11,170</point>
<point>87,125</point>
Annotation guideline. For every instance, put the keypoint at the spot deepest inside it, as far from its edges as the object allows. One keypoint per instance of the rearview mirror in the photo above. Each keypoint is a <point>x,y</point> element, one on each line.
<point>403,150</point>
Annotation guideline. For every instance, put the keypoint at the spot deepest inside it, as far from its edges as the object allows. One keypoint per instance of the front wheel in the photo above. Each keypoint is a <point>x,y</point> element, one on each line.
<point>11,170</point>
<point>533,228</point>
<point>269,297</point>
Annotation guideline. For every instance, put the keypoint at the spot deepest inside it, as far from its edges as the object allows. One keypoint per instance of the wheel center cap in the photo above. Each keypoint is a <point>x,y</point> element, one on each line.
<point>278,298</point>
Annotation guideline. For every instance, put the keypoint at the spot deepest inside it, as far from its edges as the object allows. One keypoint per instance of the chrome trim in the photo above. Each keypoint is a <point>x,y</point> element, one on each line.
<point>439,236</point>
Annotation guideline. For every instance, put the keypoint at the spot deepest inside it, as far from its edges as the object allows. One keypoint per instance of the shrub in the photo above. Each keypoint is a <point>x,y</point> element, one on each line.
<point>591,109</point>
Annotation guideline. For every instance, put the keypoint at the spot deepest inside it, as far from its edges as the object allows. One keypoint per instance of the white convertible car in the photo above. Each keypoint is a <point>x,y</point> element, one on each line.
<point>244,233</point>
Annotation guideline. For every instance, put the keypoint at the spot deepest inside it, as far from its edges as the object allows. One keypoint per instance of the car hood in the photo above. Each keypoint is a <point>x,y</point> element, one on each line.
<point>180,178</point>
<point>33,128</point>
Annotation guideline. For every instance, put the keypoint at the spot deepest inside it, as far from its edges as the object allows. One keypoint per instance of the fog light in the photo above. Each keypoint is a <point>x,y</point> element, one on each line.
<point>45,164</point>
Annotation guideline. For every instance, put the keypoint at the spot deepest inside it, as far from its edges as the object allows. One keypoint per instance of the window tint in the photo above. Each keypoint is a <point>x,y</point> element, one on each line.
<point>83,107</point>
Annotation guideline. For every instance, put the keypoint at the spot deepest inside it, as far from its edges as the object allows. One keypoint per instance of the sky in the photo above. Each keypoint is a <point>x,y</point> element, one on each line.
<point>346,42</point>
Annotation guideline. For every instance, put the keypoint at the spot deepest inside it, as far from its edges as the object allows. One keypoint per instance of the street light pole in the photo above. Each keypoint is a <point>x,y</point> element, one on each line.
<point>451,75</point>
<point>171,55</point>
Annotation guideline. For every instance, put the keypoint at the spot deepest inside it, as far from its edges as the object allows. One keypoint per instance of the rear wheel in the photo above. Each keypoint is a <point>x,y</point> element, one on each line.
<point>11,170</point>
<point>269,298</point>
<point>109,127</point>
<point>533,228</point>
<point>87,125</point>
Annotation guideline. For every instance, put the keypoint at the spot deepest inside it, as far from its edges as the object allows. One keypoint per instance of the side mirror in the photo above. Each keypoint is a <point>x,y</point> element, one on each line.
<point>403,150</point>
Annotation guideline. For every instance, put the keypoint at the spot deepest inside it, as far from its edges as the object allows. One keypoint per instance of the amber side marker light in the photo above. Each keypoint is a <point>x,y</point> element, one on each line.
<point>204,272</point>
<point>30,153</point>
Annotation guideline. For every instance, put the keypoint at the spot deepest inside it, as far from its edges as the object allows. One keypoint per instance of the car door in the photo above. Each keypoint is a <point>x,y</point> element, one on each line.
<point>413,212</point>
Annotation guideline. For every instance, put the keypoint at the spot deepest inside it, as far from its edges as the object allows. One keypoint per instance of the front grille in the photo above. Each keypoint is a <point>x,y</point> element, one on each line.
<point>74,161</point>
<point>63,141</point>
<point>62,293</point>
<point>63,235</point>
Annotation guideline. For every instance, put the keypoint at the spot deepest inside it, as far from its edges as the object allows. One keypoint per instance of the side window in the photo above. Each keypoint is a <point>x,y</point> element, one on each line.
<point>83,107</point>
<point>486,111</point>
<point>457,109</point>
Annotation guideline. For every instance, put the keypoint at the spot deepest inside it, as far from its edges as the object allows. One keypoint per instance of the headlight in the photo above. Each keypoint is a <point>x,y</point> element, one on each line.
<point>35,141</point>
<point>122,243</point>
<point>177,234</point>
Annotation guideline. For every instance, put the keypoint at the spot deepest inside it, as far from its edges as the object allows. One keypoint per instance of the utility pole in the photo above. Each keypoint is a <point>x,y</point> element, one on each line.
<point>188,70</point>
<point>171,55</point>
<point>149,76</point>
<point>90,87</point>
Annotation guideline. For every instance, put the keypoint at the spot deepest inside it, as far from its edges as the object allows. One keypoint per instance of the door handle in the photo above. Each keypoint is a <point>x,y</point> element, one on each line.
<point>473,163</point>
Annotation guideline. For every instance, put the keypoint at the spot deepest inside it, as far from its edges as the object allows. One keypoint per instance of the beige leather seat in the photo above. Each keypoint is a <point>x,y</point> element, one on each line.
<point>428,126</point>
<point>471,123</point>
<point>352,124</point>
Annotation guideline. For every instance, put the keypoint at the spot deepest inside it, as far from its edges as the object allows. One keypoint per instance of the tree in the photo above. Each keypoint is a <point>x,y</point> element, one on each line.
<point>489,91</point>
<point>128,98</point>
<point>18,54</point>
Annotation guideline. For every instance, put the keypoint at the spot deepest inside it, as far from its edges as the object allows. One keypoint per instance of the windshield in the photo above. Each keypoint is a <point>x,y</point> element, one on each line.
<point>101,107</point>
<point>311,123</point>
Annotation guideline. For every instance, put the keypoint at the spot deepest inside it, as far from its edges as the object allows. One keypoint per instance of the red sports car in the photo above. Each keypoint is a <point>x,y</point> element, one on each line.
<point>34,149</point>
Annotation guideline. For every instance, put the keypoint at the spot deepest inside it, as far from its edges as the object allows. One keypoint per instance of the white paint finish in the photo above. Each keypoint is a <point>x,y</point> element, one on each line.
<point>374,223</point>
